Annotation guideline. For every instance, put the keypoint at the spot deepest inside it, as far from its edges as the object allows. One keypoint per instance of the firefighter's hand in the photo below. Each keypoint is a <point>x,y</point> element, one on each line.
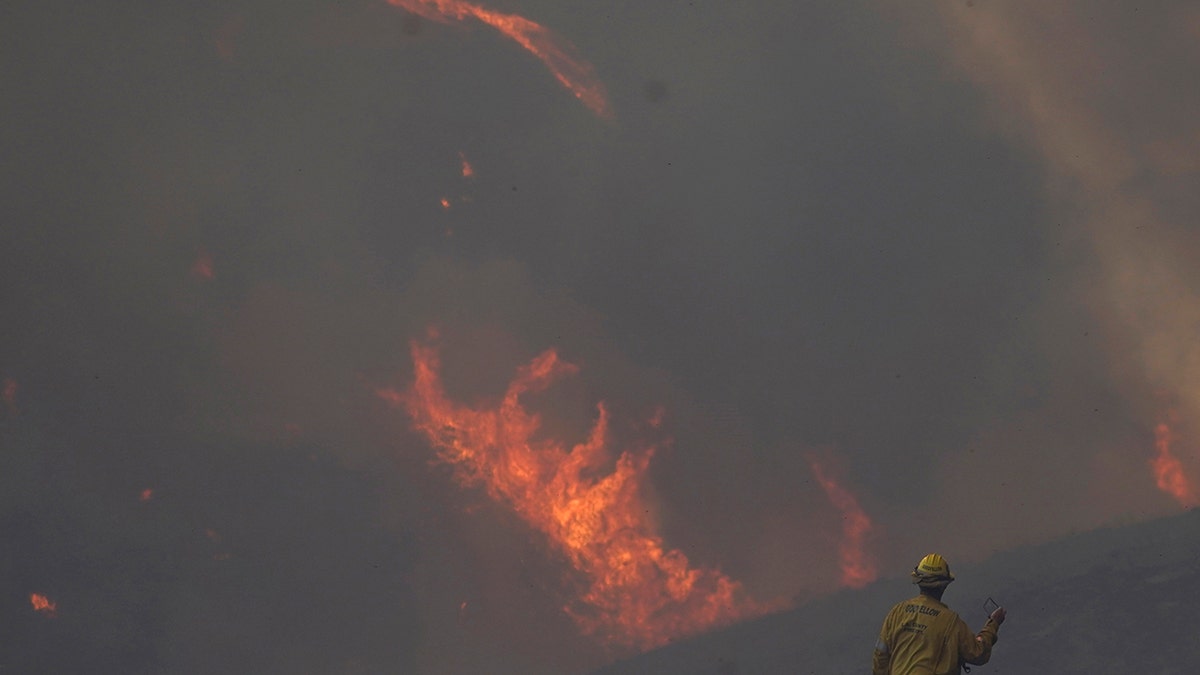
<point>998,615</point>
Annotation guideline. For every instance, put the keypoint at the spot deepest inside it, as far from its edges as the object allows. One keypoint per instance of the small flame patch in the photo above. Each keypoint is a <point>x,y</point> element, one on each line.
<point>43,605</point>
<point>1168,470</point>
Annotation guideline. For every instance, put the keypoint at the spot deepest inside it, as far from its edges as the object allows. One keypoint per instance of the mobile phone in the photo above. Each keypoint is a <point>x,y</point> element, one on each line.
<point>990,606</point>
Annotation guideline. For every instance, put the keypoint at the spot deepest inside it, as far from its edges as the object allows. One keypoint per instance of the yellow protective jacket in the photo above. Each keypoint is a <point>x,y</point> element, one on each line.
<point>922,636</point>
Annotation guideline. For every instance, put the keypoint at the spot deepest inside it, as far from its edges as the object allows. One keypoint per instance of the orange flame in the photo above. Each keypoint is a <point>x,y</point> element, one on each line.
<point>588,505</point>
<point>858,569</point>
<point>468,171</point>
<point>576,75</point>
<point>1168,471</point>
<point>43,605</point>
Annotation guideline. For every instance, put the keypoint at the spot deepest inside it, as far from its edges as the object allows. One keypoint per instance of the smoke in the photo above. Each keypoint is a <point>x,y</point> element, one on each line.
<point>1097,93</point>
<point>950,252</point>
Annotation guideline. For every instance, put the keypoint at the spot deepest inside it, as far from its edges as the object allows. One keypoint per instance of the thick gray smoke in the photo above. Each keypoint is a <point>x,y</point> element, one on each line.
<point>807,229</point>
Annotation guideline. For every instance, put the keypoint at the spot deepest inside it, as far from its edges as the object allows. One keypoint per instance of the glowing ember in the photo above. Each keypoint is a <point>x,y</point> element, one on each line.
<point>147,495</point>
<point>445,203</point>
<point>202,267</point>
<point>1168,471</point>
<point>586,502</point>
<point>468,171</point>
<point>43,605</point>
<point>576,75</point>
<point>858,569</point>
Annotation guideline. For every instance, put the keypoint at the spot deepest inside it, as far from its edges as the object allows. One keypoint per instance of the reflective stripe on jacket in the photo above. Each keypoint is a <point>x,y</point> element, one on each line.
<point>922,636</point>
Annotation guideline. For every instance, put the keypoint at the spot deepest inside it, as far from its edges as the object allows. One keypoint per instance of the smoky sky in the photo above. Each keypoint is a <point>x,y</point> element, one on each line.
<point>848,228</point>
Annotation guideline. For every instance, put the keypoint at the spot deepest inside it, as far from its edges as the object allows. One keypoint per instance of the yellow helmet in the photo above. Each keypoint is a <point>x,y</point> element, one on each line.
<point>933,570</point>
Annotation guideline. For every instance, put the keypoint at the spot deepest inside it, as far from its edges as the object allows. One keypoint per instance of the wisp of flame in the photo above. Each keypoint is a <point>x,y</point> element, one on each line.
<point>635,593</point>
<point>576,75</point>
<point>9,393</point>
<point>858,569</point>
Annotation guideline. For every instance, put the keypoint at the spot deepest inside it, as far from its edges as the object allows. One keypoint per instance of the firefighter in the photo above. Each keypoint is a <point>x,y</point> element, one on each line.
<point>922,636</point>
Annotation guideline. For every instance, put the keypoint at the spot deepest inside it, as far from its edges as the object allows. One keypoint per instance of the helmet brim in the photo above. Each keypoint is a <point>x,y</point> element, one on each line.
<point>932,581</point>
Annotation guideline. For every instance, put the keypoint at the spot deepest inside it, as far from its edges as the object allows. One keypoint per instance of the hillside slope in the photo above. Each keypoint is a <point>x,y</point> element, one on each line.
<point>1117,600</point>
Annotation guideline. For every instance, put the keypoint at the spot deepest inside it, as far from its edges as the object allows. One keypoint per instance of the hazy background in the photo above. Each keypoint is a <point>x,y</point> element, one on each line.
<point>950,244</point>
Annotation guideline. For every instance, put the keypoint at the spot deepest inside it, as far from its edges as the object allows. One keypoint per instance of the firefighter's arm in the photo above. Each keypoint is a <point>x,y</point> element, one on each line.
<point>881,660</point>
<point>977,649</point>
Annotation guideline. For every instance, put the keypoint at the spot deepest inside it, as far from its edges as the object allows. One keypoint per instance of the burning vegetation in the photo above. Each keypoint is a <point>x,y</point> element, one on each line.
<point>585,500</point>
